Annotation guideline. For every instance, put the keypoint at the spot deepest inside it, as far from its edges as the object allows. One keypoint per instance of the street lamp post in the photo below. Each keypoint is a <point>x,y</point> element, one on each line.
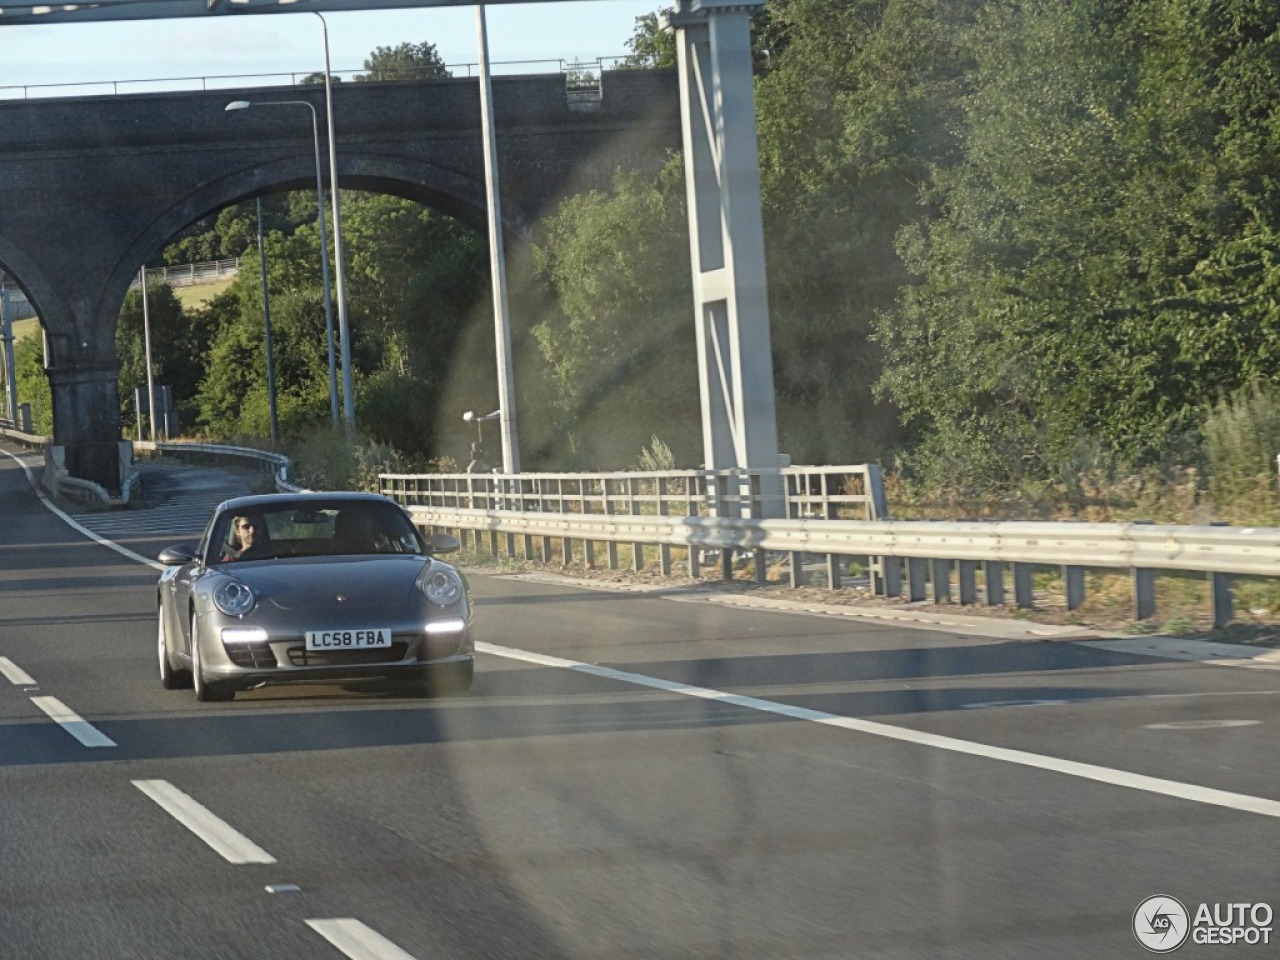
<point>146,341</point>
<point>266,322</point>
<point>344,332</point>
<point>324,242</point>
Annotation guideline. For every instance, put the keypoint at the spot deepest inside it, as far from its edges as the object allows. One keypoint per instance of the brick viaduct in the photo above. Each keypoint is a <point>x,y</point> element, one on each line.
<point>92,187</point>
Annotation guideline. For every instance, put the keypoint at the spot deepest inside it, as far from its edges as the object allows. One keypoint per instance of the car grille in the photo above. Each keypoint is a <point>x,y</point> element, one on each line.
<point>257,656</point>
<point>302,657</point>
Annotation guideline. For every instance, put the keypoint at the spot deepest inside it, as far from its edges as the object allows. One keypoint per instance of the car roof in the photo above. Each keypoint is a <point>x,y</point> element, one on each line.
<point>268,500</point>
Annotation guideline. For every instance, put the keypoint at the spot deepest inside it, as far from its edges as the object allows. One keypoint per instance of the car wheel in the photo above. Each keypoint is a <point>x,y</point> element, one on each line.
<point>452,678</point>
<point>170,678</point>
<point>206,692</point>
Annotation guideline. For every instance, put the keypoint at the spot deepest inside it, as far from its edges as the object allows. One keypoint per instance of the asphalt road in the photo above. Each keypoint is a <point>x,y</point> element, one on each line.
<point>634,776</point>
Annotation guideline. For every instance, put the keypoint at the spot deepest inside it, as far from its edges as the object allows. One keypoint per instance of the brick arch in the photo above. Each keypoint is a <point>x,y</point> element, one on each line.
<point>453,194</point>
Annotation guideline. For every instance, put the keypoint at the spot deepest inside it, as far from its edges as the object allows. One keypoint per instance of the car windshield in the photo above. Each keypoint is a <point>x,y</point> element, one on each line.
<point>330,528</point>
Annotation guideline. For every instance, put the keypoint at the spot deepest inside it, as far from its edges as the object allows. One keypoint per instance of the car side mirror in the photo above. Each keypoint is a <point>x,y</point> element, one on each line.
<point>177,554</point>
<point>443,543</point>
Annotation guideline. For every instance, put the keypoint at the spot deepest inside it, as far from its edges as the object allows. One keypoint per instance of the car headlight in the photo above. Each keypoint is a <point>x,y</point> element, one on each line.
<point>233,598</point>
<point>442,585</point>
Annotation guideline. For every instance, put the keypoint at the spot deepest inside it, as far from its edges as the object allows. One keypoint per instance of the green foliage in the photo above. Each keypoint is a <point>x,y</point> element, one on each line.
<point>619,342</point>
<point>232,231</point>
<point>33,384</point>
<point>405,61</point>
<point>650,45</point>
<point>179,342</point>
<point>656,457</point>
<point>1096,284</point>
<point>324,458</point>
<point>1242,439</point>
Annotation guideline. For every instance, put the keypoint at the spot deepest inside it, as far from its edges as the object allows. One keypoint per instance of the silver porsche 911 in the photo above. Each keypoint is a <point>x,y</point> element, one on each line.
<point>312,586</point>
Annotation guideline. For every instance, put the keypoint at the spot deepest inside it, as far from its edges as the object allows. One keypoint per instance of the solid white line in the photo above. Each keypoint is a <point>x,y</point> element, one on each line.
<point>15,674</point>
<point>232,846</point>
<point>125,551</point>
<point>1087,771</point>
<point>71,722</point>
<point>357,941</point>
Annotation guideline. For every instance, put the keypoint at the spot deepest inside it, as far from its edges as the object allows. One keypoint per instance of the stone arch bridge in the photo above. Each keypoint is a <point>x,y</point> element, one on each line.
<point>92,187</point>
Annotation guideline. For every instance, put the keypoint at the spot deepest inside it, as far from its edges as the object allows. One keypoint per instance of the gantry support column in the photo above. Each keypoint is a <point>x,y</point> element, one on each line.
<point>722,174</point>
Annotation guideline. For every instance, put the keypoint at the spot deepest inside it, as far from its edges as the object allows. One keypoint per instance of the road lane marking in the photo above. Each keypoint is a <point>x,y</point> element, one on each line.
<point>231,845</point>
<point>71,722</point>
<point>15,674</point>
<point>67,518</point>
<point>358,941</point>
<point>1086,771</point>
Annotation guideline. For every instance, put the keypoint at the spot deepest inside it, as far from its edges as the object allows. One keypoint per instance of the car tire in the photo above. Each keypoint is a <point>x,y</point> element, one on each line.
<point>170,678</point>
<point>451,679</point>
<point>206,692</point>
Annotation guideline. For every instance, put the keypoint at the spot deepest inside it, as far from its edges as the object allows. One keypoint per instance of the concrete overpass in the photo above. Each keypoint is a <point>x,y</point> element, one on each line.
<point>92,187</point>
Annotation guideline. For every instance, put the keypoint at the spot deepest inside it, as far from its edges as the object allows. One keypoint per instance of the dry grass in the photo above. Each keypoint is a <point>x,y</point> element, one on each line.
<point>198,294</point>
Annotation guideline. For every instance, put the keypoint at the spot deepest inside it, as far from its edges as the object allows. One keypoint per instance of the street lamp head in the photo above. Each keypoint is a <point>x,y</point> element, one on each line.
<point>237,105</point>
<point>469,416</point>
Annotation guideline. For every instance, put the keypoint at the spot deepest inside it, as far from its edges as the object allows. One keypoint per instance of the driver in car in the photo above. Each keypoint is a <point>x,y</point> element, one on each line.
<point>248,539</point>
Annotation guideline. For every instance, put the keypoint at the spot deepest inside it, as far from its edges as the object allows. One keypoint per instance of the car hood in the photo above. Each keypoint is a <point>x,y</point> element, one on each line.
<point>352,583</point>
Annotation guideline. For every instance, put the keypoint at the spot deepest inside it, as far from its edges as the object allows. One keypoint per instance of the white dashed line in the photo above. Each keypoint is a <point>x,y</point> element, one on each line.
<point>15,674</point>
<point>1085,771</point>
<point>71,722</point>
<point>230,844</point>
<point>358,941</point>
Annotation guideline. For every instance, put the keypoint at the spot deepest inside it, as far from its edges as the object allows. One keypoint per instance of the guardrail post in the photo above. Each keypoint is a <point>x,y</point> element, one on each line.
<point>941,581</point>
<point>1023,588</point>
<point>1221,600</point>
<point>588,546</point>
<point>796,576</point>
<point>835,576</point>
<point>528,546</point>
<point>664,550</point>
<point>1144,590</point>
<point>1073,583</point>
<point>967,578</point>
<point>916,590</point>
<point>637,549</point>
<point>695,562</point>
<point>993,575</point>
<point>611,547</point>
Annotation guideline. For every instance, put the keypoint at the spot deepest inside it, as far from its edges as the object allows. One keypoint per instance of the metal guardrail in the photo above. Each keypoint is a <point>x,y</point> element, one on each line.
<point>929,553</point>
<point>704,510</point>
<point>836,513</point>
<point>280,464</point>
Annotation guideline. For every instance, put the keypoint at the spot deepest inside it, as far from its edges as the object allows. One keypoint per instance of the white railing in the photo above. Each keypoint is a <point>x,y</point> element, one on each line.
<point>232,81</point>
<point>190,274</point>
<point>551,513</point>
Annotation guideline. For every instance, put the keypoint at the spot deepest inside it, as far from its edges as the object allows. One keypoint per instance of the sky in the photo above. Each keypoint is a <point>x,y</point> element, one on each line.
<point>293,43</point>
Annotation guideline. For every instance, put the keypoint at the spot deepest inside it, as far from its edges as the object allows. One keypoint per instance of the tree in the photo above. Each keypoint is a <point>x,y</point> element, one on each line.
<point>1088,293</point>
<point>179,342</point>
<point>650,45</point>
<point>619,340</point>
<point>33,383</point>
<point>405,61</point>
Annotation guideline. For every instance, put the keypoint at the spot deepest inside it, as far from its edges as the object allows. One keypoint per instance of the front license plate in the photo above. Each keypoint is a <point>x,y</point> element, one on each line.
<point>348,639</point>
